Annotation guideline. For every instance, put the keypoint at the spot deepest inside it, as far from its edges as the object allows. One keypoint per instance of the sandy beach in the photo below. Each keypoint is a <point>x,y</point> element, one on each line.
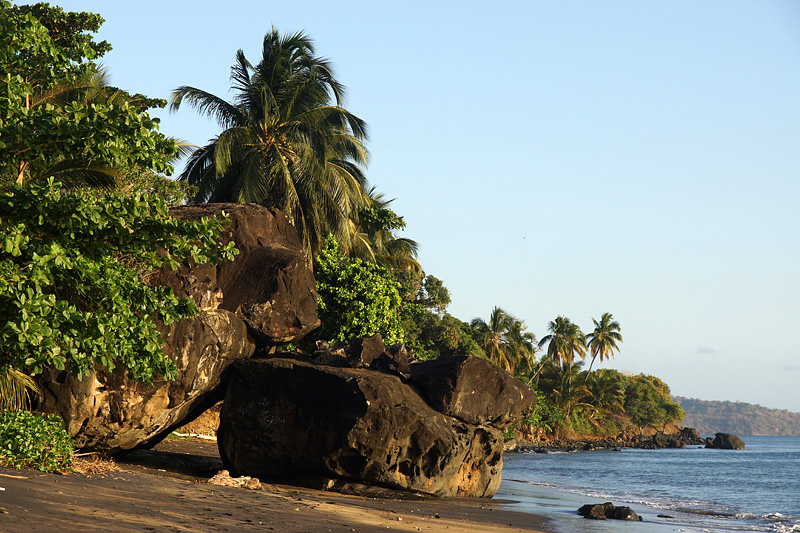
<point>165,489</point>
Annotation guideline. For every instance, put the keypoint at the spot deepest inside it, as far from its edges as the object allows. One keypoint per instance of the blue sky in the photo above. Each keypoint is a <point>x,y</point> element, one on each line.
<point>560,158</point>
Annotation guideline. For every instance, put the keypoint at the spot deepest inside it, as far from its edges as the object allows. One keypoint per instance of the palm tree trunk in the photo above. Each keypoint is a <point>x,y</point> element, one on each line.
<point>590,368</point>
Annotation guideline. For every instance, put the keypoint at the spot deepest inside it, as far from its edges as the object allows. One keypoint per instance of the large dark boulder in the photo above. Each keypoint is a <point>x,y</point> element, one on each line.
<point>108,411</point>
<point>726,441</point>
<point>269,284</point>
<point>264,297</point>
<point>473,390</point>
<point>284,417</point>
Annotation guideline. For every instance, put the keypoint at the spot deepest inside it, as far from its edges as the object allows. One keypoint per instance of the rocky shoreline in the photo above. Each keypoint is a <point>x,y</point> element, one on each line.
<point>682,438</point>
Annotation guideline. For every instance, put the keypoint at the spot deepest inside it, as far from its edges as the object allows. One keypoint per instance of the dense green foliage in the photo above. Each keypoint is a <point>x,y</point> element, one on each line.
<point>31,441</point>
<point>56,114</point>
<point>356,298</point>
<point>605,402</point>
<point>65,293</point>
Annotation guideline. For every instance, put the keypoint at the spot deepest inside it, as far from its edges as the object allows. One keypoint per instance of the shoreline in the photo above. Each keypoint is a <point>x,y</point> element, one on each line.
<point>163,489</point>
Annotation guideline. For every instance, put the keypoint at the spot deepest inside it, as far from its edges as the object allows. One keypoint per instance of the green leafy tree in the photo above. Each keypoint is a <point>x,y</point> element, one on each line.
<point>283,144</point>
<point>647,402</point>
<point>66,295</point>
<point>355,298</point>
<point>433,335</point>
<point>50,124</point>
<point>603,340</point>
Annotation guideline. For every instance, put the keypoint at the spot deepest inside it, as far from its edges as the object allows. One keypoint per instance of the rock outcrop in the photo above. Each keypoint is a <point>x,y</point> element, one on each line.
<point>726,441</point>
<point>679,439</point>
<point>287,417</point>
<point>264,297</point>
<point>269,285</point>
<point>604,511</point>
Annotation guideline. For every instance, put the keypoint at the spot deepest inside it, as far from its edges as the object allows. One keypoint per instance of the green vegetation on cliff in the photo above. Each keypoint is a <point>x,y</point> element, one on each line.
<point>739,418</point>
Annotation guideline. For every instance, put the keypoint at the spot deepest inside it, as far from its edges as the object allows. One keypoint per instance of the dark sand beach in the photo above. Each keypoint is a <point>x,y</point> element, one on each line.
<point>164,489</point>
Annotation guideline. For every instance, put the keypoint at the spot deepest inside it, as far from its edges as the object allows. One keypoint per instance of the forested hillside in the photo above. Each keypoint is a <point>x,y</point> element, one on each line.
<point>739,418</point>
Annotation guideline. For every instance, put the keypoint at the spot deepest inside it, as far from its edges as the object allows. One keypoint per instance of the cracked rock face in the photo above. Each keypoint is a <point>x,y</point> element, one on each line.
<point>286,417</point>
<point>264,297</point>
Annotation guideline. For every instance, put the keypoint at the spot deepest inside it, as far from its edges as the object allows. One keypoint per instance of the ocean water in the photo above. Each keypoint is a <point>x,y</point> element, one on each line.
<point>693,489</point>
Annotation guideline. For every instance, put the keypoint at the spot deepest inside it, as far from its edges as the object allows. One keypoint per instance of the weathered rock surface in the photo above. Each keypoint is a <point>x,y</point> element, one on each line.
<point>604,511</point>
<point>110,412</point>
<point>285,417</point>
<point>726,441</point>
<point>265,296</point>
<point>268,285</point>
<point>472,390</point>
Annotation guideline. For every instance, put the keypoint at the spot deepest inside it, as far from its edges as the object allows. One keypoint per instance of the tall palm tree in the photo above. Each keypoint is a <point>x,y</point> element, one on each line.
<point>564,341</point>
<point>505,341</point>
<point>603,340</point>
<point>523,345</point>
<point>283,144</point>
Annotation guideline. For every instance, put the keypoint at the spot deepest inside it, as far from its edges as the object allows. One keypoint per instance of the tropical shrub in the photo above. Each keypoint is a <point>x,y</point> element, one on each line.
<point>68,295</point>
<point>355,298</point>
<point>648,403</point>
<point>32,441</point>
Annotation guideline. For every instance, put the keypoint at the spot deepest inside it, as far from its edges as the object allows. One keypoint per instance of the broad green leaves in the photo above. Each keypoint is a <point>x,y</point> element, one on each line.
<point>356,299</point>
<point>54,106</point>
<point>66,294</point>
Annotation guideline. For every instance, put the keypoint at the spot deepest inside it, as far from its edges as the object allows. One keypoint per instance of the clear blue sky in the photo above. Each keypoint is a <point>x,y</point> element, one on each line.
<point>560,158</point>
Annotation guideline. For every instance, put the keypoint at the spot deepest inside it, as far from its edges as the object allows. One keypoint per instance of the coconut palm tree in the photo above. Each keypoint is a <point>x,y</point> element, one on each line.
<point>603,340</point>
<point>523,345</point>
<point>565,387</point>
<point>283,144</point>
<point>564,341</point>
<point>505,341</point>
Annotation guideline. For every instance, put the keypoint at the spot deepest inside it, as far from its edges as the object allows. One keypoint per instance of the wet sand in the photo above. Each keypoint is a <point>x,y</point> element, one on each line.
<point>164,489</point>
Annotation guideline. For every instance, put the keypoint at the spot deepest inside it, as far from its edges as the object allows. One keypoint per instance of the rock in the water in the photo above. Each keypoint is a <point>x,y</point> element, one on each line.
<point>603,511</point>
<point>473,390</point>
<point>726,441</point>
<point>283,417</point>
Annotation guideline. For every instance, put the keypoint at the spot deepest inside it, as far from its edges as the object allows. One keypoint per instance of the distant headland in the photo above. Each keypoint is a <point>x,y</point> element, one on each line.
<point>740,418</point>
